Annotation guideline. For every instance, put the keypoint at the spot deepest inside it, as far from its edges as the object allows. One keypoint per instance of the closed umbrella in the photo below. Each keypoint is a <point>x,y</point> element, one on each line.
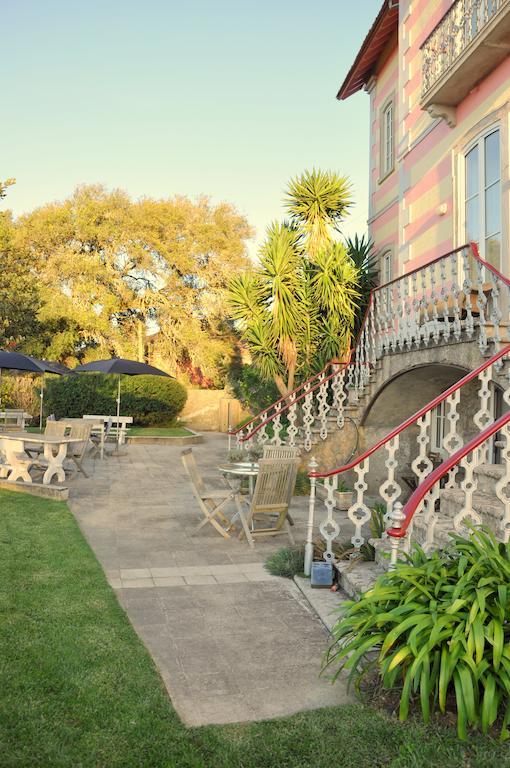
<point>121,367</point>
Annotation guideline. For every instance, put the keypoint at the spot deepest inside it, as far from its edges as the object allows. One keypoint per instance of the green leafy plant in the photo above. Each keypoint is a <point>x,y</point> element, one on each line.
<point>436,628</point>
<point>377,524</point>
<point>287,562</point>
<point>302,487</point>
<point>151,400</point>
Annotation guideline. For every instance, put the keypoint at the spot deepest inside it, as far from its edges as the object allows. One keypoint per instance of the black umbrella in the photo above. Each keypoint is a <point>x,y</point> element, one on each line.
<point>121,367</point>
<point>49,366</point>
<point>16,361</point>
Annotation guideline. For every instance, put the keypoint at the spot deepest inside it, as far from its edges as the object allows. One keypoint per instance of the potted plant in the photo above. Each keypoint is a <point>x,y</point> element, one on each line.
<point>343,496</point>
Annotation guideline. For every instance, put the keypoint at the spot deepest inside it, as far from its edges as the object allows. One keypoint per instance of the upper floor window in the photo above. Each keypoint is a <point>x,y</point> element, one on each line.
<point>387,139</point>
<point>482,195</point>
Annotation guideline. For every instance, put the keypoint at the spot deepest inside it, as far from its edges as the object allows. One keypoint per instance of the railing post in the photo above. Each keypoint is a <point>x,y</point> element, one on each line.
<point>397,518</point>
<point>312,466</point>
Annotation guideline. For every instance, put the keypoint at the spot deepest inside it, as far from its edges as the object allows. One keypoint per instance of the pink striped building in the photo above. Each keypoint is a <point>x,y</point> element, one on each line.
<point>438,76</point>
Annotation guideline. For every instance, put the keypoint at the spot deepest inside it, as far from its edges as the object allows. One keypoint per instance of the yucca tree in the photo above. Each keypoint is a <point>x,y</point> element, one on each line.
<point>295,312</point>
<point>365,258</point>
<point>316,202</point>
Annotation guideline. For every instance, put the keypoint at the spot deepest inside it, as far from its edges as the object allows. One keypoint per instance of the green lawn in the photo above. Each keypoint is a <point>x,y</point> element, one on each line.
<point>160,431</point>
<point>77,688</point>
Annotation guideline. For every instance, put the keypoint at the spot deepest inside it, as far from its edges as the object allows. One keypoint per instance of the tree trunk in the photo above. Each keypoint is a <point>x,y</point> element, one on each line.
<point>140,338</point>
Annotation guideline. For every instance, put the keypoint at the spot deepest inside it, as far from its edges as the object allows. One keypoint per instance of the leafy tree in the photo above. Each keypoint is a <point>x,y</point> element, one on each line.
<point>110,270</point>
<point>19,300</point>
<point>297,308</point>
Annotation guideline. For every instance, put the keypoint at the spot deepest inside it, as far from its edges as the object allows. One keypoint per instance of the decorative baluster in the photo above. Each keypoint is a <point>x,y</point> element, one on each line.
<point>443,299</point>
<point>239,436</point>
<point>262,436</point>
<point>422,464</point>
<point>277,425</point>
<point>339,395</point>
<point>466,286</point>
<point>329,527</point>
<point>452,439</point>
<point>434,302</point>
<point>408,308</point>
<point>379,324</point>
<point>359,513</point>
<point>399,317</point>
<point>481,302</point>
<point>430,516</point>
<point>372,357</point>
<point>397,518</point>
<point>324,407</point>
<point>468,485</point>
<point>496,315</point>
<point>312,467</point>
<point>292,429</point>
<point>454,294</point>
<point>390,490</point>
<point>503,484</point>
<point>416,311</point>
<point>483,415</point>
<point>424,327</point>
<point>308,418</point>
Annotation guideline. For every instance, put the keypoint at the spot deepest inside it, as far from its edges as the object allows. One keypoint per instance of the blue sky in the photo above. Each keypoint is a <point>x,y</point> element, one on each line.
<point>160,97</point>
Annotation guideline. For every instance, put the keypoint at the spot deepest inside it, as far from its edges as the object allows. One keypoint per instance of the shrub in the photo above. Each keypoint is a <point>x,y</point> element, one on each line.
<point>436,628</point>
<point>151,400</point>
<point>249,387</point>
<point>287,562</point>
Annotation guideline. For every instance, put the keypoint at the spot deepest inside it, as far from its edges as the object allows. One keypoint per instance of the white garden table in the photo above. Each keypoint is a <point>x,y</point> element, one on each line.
<point>18,462</point>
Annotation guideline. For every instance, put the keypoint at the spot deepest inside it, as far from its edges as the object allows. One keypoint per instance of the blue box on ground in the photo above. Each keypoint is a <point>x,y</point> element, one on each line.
<point>322,574</point>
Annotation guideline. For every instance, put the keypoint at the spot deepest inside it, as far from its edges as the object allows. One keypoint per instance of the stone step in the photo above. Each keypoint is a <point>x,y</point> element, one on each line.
<point>488,506</point>
<point>356,577</point>
<point>487,476</point>
<point>382,552</point>
<point>442,531</point>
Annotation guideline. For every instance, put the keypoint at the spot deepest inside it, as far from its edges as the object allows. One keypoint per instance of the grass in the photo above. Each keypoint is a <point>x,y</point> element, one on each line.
<point>159,432</point>
<point>79,689</point>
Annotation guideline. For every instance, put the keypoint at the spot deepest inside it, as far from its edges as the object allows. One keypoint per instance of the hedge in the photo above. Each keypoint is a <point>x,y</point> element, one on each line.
<point>150,400</point>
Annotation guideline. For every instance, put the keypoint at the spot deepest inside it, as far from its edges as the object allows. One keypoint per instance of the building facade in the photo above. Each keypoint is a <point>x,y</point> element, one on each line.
<point>438,76</point>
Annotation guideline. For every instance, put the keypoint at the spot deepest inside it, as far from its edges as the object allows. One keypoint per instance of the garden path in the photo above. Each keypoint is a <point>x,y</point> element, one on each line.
<point>232,643</point>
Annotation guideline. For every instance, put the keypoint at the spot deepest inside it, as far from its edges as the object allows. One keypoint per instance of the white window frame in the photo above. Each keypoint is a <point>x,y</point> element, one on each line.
<point>479,140</point>
<point>438,427</point>
<point>387,144</point>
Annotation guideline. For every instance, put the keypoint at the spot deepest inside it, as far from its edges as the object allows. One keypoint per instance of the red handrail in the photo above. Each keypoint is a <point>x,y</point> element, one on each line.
<point>276,402</point>
<point>344,365</point>
<point>414,418</point>
<point>418,495</point>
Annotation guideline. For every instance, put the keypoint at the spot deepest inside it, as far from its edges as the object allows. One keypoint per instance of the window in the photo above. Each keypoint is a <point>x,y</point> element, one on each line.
<point>482,195</point>
<point>438,431</point>
<point>387,140</point>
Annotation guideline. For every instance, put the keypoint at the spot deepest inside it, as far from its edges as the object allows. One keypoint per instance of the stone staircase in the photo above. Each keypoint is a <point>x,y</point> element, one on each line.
<point>357,576</point>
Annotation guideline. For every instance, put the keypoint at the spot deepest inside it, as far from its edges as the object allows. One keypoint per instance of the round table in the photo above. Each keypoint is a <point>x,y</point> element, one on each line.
<point>241,469</point>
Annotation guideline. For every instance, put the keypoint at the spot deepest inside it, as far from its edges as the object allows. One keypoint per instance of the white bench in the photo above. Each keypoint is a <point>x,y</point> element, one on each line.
<point>119,426</point>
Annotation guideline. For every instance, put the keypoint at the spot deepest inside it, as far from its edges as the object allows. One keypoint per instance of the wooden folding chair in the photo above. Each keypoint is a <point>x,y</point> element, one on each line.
<point>77,450</point>
<point>271,499</point>
<point>212,501</point>
<point>282,452</point>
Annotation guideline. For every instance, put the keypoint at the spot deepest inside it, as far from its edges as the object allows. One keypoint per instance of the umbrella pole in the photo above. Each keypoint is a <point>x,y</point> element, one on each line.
<point>41,395</point>
<point>0,387</point>
<point>118,415</point>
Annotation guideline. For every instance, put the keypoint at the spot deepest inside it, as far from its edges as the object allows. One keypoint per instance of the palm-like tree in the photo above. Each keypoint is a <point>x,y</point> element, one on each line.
<point>316,202</point>
<point>296,310</point>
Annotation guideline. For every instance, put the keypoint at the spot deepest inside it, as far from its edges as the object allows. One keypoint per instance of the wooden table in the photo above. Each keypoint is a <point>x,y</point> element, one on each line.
<point>17,461</point>
<point>241,469</point>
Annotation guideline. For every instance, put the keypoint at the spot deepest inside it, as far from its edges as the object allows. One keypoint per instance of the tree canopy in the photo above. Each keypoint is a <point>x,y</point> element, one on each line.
<point>297,308</point>
<point>104,271</point>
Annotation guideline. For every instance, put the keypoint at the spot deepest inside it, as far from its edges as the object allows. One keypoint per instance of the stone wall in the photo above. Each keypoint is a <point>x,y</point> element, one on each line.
<point>211,410</point>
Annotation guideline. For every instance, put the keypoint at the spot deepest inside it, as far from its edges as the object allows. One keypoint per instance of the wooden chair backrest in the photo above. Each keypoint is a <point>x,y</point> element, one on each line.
<point>81,431</point>
<point>55,428</point>
<point>280,452</point>
<point>191,468</point>
<point>275,484</point>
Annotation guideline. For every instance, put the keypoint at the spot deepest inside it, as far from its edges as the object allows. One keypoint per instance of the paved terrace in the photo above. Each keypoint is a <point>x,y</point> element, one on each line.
<point>232,643</point>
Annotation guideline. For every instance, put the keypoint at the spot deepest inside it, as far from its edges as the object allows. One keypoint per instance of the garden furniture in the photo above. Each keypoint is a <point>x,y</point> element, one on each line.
<point>271,499</point>
<point>13,419</point>
<point>212,501</point>
<point>18,462</point>
<point>114,427</point>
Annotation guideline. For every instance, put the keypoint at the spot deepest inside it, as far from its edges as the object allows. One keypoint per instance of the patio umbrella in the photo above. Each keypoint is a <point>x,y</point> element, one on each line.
<point>49,366</point>
<point>121,367</point>
<point>16,361</point>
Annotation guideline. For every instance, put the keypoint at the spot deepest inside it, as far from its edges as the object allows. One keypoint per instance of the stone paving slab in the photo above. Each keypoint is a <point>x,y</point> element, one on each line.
<point>232,642</point>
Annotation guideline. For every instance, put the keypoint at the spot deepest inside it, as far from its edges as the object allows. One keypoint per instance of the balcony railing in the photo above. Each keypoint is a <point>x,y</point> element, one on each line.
<point>466,24</point>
